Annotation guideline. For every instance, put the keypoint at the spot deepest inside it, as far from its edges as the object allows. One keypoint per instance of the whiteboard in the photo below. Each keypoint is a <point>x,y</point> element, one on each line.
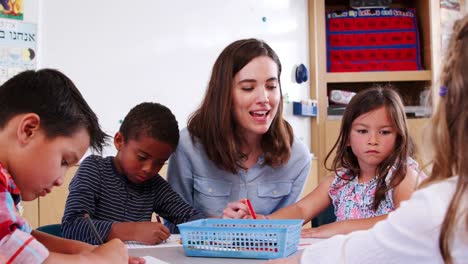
<point>121,53</point>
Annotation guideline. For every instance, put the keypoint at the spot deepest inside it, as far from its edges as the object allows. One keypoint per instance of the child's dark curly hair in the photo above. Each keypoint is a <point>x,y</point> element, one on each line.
<point>151,119</point>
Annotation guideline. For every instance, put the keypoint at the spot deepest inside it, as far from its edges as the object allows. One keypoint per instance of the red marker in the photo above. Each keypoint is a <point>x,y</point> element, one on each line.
<point>251,210</point>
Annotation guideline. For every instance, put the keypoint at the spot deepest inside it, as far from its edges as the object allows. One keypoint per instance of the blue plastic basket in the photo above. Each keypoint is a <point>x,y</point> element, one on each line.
<point>240,238</point>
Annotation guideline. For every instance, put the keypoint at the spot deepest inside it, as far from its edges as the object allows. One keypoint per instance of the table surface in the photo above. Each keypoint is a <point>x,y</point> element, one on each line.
<point>176,254</point>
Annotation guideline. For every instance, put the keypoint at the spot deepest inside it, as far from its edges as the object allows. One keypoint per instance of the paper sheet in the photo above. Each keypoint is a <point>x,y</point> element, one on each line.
<point>172,241</point>
<point>153,260</point>
<point>305,242</point>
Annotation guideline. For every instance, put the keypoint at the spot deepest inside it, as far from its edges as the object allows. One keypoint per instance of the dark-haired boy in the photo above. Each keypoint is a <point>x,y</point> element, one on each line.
<point>46,126</point>
<point>121,193</point>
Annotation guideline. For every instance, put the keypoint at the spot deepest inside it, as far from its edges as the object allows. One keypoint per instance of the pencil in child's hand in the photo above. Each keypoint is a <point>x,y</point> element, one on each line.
<point>251,210</point>
<point>159,221</point>
<point>93,228</point>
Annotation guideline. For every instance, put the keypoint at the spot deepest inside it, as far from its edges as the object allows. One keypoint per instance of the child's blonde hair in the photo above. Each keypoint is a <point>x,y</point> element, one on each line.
<point>364,102</point>
<point>449,130</point>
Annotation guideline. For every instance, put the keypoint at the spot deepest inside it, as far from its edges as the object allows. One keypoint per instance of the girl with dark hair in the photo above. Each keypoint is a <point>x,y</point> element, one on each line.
<point>372,172</point>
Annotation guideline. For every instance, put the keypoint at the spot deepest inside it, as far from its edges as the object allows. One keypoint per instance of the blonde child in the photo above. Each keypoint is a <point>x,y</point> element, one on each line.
<point>432,227</point>
<point>45,128</point>
<point>372,171</point>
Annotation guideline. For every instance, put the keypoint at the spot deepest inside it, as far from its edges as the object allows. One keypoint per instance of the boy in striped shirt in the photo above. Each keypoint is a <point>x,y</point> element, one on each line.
<point>121,193</point>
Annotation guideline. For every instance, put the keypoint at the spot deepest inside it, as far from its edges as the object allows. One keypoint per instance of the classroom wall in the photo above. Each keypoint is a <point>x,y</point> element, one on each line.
<point>121,53</point>
<point>31,10</point>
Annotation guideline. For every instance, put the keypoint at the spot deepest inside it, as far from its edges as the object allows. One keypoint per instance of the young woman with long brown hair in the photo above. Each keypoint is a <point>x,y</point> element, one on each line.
<point>237,144</point>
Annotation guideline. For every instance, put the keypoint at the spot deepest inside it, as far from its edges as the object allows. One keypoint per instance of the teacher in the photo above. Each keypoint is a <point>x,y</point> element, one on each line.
<point>237,144</point>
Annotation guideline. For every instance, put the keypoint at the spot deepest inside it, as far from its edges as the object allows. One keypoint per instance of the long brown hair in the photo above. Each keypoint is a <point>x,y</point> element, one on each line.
<point>449,131</point>
<point>213,123</point>
<point>360,104</point>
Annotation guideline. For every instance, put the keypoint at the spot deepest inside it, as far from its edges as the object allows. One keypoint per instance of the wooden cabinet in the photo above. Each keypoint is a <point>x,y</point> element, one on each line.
<point>49,209</point>
<point>31,212</point>
<point>410,84</point>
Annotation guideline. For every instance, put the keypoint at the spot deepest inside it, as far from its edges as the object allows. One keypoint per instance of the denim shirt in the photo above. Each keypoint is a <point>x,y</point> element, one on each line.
<point>208,188</point>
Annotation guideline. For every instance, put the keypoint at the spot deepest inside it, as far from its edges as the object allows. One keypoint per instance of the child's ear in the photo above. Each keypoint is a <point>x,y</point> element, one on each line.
<point>28,127</point>
<point>118,140</point>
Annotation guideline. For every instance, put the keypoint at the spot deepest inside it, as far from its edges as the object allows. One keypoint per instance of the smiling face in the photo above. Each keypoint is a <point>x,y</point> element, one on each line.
<point>372,137</point>
<point>256,95</point>
<point>45,161</point>
<point>142,158</point>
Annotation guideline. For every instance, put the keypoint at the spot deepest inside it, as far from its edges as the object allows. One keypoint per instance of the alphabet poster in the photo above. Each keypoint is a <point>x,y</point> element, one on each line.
<point>17,48</point>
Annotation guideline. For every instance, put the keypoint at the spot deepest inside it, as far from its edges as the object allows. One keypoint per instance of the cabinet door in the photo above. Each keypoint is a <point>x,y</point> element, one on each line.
<point>31,212</point>
<point>51,207</point>
<point>311,183</point>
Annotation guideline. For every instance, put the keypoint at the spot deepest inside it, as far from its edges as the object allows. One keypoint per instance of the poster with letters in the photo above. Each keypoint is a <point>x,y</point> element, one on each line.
<point>17,48</point>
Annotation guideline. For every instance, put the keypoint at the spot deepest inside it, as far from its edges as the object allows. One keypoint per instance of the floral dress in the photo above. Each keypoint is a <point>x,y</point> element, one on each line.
<point>353,200</point>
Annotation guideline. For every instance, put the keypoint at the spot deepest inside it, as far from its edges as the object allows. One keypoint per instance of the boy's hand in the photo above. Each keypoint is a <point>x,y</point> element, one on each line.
<point>236,210</point>
<point>150,233</point>
<point>113,252</point>
<point>136,260</point>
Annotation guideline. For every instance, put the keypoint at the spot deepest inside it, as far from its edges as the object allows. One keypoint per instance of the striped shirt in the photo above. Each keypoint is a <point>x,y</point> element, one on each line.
<point>17,245</point>
<point>99,190</point>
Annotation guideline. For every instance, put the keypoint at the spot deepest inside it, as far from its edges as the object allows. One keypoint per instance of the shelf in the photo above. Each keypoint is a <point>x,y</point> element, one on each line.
<point>393,76</point>
<point>410,84</point>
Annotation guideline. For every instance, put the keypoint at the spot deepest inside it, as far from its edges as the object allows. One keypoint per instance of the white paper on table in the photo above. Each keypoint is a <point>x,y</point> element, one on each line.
<point>305,242</point>
<point>153,260</point>
<point>172,241</point>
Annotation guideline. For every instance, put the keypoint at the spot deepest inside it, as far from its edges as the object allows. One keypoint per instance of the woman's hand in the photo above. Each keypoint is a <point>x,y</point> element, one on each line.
<point>236,210</point>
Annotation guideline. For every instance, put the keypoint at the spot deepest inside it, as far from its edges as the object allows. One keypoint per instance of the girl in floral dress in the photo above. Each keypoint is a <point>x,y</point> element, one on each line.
<point>372,170</point>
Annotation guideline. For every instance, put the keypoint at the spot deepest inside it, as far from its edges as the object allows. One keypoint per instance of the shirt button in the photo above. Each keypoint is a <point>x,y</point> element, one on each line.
<point>275,192</point>
<point>210,190</point>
